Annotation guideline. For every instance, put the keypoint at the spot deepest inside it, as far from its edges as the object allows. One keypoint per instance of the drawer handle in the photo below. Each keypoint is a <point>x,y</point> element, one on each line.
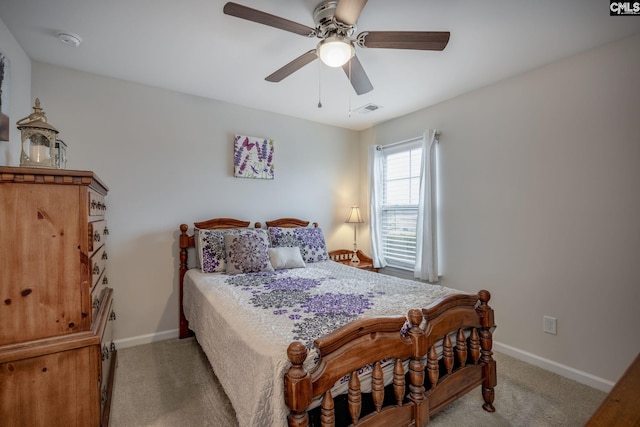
<point>96,303</point>
<point>106,231</point>
<point>96,237</point>
<point>94,204</point>
<point>113,348</point>
<point>112,316</point>
<point>96,269</point>
<point>105,395</point>
<point>105,353</point>
<point>104,256</point>
<point>105,281</point>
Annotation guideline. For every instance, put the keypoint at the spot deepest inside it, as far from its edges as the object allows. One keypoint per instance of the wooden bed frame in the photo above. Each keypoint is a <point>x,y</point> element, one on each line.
<point>415,395</point>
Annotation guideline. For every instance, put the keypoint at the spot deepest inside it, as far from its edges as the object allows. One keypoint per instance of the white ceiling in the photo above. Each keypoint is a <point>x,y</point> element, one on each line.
<point>190,46</point>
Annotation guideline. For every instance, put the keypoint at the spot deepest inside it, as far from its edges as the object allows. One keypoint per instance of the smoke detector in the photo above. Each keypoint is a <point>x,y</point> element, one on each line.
<point>70,39</point>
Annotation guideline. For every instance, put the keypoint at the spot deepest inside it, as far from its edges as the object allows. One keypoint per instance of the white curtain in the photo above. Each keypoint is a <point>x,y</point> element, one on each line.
<point>375,204</point>
<point>426,233</point>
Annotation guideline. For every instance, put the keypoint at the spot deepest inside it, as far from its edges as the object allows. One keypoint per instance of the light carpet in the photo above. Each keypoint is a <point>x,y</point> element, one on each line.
<point>170,383</point>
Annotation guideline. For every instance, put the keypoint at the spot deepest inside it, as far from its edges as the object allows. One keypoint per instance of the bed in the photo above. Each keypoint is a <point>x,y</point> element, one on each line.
<point>324,343</point>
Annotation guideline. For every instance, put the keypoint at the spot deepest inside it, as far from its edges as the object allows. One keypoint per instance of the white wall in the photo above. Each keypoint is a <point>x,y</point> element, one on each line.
<point>540,204</point>
<point>168,159</point>
<point>19,94</point>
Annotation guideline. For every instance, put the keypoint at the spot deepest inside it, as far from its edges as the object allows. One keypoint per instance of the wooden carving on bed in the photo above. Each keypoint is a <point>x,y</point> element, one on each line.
<point>367,342</point>
<point>188,241</point>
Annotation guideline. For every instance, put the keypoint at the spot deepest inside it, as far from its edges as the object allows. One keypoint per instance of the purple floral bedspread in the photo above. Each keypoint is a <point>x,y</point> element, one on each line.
<point>249,320</point>
<point>311,314</point>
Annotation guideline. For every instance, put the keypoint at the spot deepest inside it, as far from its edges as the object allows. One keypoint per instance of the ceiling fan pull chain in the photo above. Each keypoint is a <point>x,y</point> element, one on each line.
<point>350,91</point>
<point>319,84</point>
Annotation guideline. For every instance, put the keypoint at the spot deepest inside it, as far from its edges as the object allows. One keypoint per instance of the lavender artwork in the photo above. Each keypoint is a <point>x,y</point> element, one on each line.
<point>253,157</point>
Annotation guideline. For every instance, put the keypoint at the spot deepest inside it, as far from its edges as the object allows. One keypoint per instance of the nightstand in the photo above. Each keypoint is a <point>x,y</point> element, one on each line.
<point>343,256</point>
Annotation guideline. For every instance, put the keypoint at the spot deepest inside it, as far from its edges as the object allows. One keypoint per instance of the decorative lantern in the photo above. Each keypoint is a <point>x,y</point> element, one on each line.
<point>61,154</point>
<point>38,140</point>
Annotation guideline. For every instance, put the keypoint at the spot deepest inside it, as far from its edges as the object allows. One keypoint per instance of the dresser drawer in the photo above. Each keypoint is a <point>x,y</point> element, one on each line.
<point>98,263</point>
<point>97,294</point>
<point>97,205</point>
<point>109,360</point>
<point>106,341</point>
<point>98,233</point>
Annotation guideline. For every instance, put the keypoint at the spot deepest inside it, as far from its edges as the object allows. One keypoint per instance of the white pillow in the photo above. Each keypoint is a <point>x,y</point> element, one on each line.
<point>286,257</point>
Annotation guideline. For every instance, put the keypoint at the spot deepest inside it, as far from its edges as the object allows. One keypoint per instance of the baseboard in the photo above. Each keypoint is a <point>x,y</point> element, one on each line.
<point>146,339</point>
<point>555,367</point>
<point>549,365</point>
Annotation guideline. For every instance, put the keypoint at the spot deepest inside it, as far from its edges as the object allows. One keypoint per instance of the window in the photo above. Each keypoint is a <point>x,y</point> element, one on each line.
<point>400,198</point>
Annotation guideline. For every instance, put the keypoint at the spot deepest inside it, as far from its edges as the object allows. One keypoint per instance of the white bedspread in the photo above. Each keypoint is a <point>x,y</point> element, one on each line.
<point>244,323</point>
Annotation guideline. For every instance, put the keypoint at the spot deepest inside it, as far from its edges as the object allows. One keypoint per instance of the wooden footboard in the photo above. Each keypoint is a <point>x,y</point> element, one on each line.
<point>431,381</point>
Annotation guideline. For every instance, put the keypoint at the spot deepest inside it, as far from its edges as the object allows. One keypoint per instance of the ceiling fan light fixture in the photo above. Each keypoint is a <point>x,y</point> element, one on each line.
<point>335,51</point>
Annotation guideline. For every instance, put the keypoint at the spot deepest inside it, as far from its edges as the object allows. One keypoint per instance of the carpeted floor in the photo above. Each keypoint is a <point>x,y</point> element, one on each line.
<point>170,383</point>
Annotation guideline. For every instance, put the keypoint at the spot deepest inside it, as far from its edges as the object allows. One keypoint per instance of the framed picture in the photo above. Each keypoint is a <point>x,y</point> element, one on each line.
<point>253,157</point>
<point>4,97</point>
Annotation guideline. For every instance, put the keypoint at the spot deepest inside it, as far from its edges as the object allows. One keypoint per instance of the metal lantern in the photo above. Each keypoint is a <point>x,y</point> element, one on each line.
<point>38,140</point>
<point>61,154</point>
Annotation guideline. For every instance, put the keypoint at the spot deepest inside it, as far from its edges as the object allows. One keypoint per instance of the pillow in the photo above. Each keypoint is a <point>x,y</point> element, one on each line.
<point>247,252</point>
<point>210,249</point>
<point>309,240</point>
<point>286,257</point>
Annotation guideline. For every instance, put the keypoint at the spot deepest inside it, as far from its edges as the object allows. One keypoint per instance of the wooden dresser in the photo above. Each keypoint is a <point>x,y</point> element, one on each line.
<point>57,358</point>
<point>620,407</point>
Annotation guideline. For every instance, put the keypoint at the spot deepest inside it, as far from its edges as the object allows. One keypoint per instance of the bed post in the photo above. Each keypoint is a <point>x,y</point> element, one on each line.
<point>416,369</point>
<point>184,244</point>
<point>297,384</point>
<point>486,343</point>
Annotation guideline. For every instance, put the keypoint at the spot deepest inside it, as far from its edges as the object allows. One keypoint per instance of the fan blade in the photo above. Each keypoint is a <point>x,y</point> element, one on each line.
<point>292,66</point>
<point>358,77</point>
<point>244,12</point>
<point>420,40</point>
<point>348,11</point>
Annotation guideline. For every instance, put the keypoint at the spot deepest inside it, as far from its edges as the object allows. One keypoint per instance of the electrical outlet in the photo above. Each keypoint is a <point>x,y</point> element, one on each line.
<point>549,325</point>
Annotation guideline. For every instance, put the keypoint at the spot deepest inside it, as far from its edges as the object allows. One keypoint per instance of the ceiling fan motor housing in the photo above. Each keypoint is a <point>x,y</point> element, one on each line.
<point>326,24</point>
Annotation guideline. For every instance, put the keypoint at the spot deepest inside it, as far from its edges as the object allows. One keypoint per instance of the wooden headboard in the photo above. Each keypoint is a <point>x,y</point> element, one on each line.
<point>287,223</point>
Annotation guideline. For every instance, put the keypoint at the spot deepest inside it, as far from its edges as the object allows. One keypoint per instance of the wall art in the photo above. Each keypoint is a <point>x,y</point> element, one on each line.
<point>253,157</point>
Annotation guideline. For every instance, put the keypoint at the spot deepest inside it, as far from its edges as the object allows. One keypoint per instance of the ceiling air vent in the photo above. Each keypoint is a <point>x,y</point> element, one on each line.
<point>368,108</point>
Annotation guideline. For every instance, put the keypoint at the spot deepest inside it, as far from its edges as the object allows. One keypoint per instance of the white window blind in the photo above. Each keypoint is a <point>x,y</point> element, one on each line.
<point>401,184</point>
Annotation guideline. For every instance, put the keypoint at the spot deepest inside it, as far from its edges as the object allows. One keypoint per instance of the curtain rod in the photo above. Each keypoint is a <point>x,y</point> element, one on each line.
<point>393,144</point>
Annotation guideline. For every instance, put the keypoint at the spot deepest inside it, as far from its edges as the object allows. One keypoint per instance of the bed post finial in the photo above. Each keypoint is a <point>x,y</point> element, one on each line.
<point>484,296</point>
<point>297,384</point>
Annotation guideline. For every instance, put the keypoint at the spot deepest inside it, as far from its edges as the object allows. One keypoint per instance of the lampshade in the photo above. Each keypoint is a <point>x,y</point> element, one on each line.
<point>354,215</point>
<point>335,51</point>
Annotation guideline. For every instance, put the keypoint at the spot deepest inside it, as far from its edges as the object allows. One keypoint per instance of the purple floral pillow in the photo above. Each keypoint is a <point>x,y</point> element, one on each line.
<point>210,249</point>
<point>247,252</point>
<point>309,240</point>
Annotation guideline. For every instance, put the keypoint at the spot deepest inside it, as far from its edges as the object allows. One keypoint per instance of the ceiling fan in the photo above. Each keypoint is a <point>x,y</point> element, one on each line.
<point>335,25</point>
